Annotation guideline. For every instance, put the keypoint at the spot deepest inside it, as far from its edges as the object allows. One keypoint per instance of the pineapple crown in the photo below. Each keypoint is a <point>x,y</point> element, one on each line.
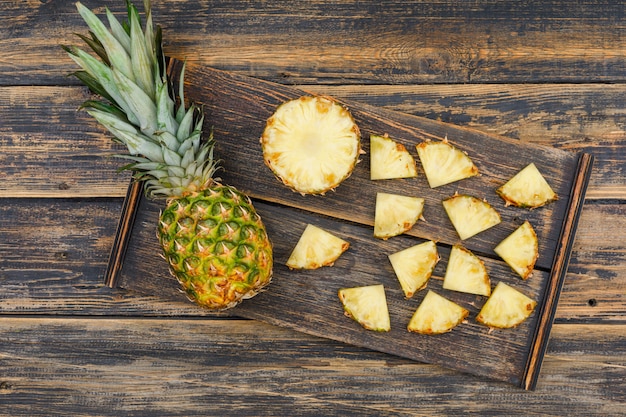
<point>139,105</point>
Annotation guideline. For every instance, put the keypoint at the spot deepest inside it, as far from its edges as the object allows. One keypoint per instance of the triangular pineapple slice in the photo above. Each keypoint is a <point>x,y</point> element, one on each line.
<point>436,315</point>
<point>527,189</point>
<point>507,307</point>
<point>413,266</point>
<point>466,273</point>
<point>390,159</point>
<point>443,163</point>
<point>316,248</point>
<point>367,305</point>
<point>520,250</point>
<point>395,214</point>
<point>311,144</point>
<point>470,215</point>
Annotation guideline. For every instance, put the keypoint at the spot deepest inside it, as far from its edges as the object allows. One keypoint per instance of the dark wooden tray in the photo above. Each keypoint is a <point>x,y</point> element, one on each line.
<point>237,107</point>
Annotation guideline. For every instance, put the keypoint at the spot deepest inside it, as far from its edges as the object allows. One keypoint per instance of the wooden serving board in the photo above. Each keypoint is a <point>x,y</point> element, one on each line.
<point>236,107</point>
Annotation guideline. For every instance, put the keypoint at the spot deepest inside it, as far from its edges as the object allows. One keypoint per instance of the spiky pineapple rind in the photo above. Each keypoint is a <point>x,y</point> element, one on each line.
<point>396,214</point>
<point>520,250</point>
<point>367,305</point>
<point>527,189</point>
<point>311,144</point>
<point>443,163</point>
<point>316,248</point>
<point>414,266</point>
<point>470,215</point>
<point>220,258</point>
<point>466,273</point>
<point>390,159</point>
<point>506,308</point>
<point>216,246</point>
<point>436,315</point>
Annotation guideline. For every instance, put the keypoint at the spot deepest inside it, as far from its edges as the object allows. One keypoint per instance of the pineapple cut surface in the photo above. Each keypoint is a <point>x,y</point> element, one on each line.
<point>390,159</point>
<point>311,144</point>
<point>506,308</point>
<point>316,248</point>
<point>367,305</point>
<point>443,163</point>
<point>436,315</point>
<point>466,273</point>
<point>470,215</point>
<point>414,266</point>
<point>520,250</point>
<point>527,189</point>
<point>396,214</point>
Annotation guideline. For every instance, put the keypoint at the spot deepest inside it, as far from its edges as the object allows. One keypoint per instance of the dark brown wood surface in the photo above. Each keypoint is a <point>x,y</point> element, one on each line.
<point>550,73</point>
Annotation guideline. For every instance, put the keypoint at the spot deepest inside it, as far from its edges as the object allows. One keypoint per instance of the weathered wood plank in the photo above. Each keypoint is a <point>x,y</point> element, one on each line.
<point>54,252</point>
<point>397,42</point>
<point>50,149</point>
<point>119,366</point>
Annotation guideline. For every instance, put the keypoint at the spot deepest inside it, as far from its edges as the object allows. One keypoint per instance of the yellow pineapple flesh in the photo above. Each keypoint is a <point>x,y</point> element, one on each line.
<point>390,159</point>
<point>520,250</point>
<point>396,214</point>
<point>316,248</point>
<point>367,305</point>
<point>444,163</point>
<point>311,144</point>
<point>436,315</point>
<point>506,308</point>
<point>466,273</point>
<point>527,189</point>
<point>470,215</point>
<point>413,266</point>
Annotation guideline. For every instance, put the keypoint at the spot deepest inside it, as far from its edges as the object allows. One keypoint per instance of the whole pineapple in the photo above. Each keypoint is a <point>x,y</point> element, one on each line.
<point>213,239</point>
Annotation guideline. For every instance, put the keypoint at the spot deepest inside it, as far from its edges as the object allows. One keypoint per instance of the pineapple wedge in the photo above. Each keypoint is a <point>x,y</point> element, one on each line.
<point>413,266</point>
<point>436,315</point>
<point>520,250</point>
<point>466,273</point>
<point>527,189</point>
<point>311,144</point>
<point>316,248</point>
<point>390,159</point>
<point>367,305</point>
<point>395,214</point>
<point>443,163</point>
<point>470,215</point>
<point>507,307</point>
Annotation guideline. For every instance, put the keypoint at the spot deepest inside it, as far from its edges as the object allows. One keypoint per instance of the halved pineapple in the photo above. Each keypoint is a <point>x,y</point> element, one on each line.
<point>436,314</point>
<point>443,163</point>
<point>470,215</point>
<point>507,307</point>
<point>395,214</point>
<point>414,266</point>
<point>520,250</point>
<point>311,144</point>
<point>316,248</point>
<point>527,189</point>
<point>390,159</point>
<point>367,305</point>
<point>465,272</point>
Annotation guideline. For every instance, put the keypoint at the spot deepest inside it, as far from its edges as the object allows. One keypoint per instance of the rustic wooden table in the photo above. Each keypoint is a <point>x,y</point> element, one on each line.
<point>550,73</point>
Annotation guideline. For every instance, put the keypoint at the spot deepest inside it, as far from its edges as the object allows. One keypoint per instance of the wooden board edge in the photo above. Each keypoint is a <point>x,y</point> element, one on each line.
<point>558,272</point>
<point>123,233</point>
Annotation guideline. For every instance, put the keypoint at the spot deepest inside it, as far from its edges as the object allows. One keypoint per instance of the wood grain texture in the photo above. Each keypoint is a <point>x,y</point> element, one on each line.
<point>54,253</point>
<point>143,367</point>
<point>591,119</point>
<point>397,42</point>
<point>538,72</point>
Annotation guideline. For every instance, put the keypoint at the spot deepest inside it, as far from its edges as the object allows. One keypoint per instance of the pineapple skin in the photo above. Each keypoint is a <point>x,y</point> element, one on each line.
<point>216,246</point>
<point>212,238</point>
